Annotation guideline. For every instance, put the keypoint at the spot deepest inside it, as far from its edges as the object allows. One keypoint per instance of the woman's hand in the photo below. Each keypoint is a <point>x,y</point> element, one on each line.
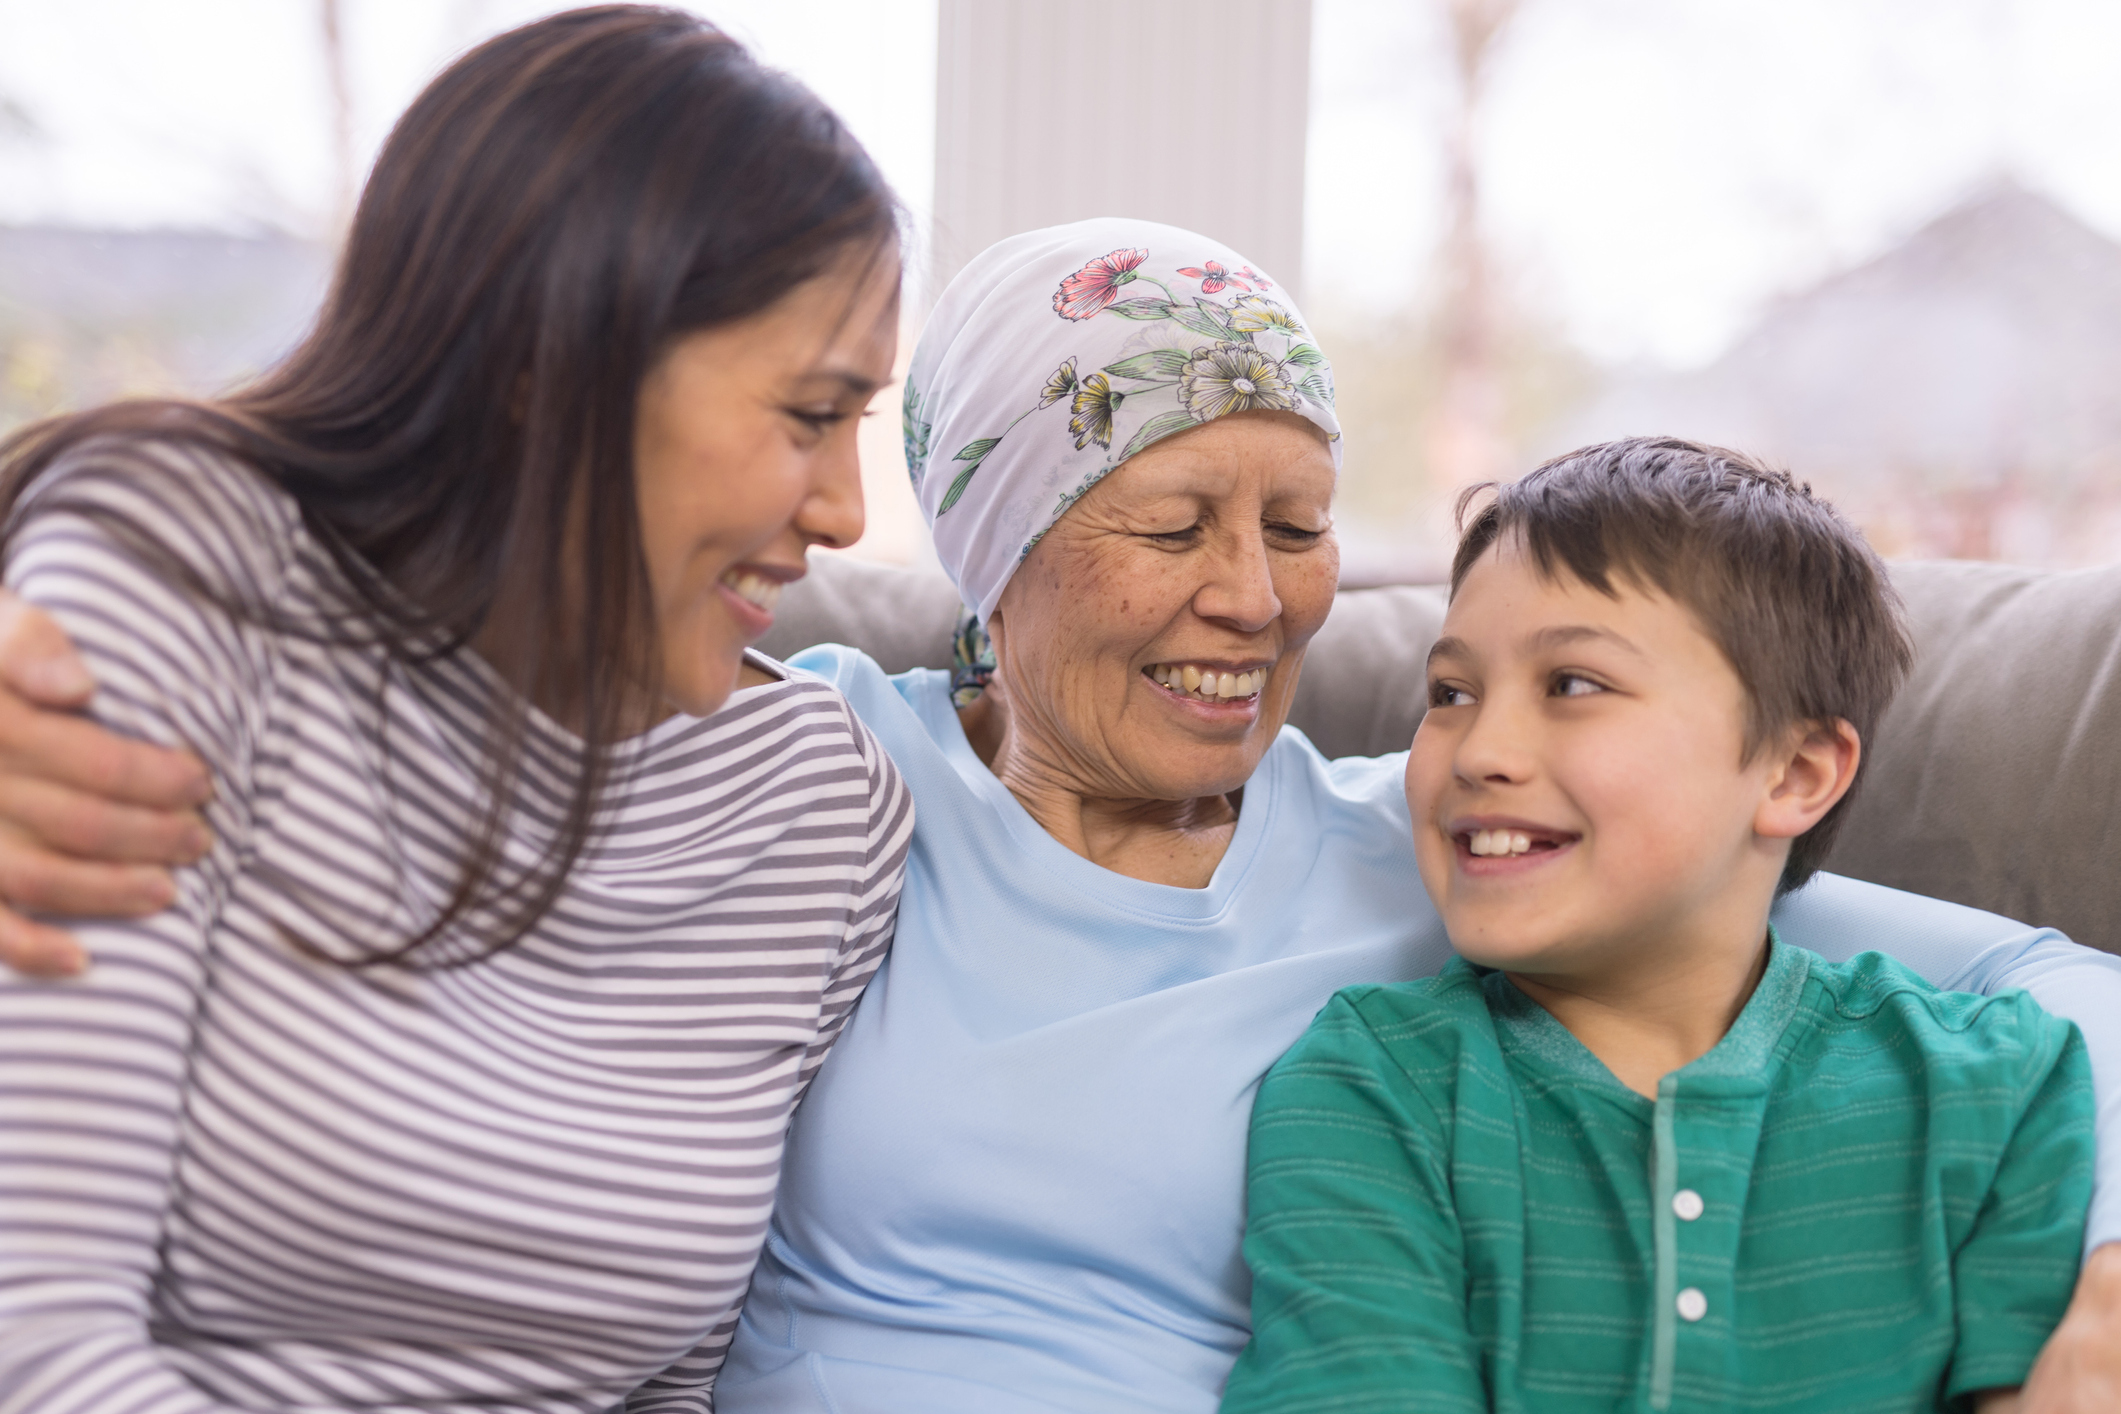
<point>89,821</point>
<point>2079,1370</point>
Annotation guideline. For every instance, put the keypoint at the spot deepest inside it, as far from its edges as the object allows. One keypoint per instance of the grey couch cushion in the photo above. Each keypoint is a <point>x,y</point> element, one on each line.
<point>901,618</point>
<point>1996,777</point>
<point>1995,780</point>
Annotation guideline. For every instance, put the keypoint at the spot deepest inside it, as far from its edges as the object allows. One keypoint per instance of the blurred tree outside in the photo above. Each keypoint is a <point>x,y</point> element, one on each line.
<point>1958,393</point>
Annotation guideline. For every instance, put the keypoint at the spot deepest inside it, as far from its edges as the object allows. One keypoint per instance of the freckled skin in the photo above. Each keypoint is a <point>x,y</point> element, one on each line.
<point>1212,546</point>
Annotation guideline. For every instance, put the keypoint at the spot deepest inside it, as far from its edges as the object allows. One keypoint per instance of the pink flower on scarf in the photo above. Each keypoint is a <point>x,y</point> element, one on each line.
<point>1214,279</point>
<point>1096,285</point>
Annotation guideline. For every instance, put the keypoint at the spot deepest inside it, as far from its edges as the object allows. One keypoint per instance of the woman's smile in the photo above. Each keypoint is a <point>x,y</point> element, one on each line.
<point>1210,684</point>
<point>752,592</point>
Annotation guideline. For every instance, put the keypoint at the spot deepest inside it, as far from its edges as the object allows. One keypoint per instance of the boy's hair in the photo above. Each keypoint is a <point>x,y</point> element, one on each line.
<point>1797,601</point>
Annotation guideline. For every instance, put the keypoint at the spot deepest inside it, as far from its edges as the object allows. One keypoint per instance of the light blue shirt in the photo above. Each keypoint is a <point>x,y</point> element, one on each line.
<point>1017,1185</point>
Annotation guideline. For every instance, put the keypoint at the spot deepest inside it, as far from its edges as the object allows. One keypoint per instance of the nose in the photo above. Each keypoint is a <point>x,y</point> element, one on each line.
<point>1240,589</point>
<point>1495,749</point>
<point>831,513</point>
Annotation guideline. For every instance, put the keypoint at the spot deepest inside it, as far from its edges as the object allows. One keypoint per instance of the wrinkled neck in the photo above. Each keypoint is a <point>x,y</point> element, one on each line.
<point>1174,842</point>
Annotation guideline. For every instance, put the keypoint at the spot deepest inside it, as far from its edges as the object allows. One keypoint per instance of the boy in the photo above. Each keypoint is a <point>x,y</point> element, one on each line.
<point>1629,1151</point>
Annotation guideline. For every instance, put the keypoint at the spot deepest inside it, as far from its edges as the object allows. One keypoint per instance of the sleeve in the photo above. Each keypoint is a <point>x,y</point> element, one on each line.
<point>92,1072</point>
<point>1965,950</point>
<point>1358,1265</point>
<point>2012,1276</point>
<point>875,918</point>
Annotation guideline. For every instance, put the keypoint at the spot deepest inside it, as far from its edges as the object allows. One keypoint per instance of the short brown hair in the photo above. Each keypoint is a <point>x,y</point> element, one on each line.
<point>1792,594</point>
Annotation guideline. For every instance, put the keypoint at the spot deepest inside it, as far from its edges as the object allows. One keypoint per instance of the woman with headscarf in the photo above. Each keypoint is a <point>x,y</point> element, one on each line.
<point>1017,1185</point>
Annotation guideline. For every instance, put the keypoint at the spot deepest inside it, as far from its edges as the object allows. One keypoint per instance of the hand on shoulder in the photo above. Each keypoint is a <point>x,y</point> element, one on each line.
<point>90,822</point>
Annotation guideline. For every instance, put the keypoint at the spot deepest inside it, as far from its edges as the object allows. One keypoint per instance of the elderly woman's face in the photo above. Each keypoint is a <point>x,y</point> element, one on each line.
<point>1150,644</point>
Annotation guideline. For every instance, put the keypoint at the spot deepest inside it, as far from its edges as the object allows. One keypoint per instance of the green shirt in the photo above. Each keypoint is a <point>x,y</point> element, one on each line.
<point>1869,1196</point>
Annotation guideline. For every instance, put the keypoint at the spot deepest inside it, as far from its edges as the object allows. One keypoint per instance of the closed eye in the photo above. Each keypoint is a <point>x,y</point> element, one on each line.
<point>1294,534</point>
<point>818,421</point>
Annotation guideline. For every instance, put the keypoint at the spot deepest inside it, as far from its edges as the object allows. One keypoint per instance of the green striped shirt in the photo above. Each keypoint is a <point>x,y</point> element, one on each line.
<point>1869,1196</point>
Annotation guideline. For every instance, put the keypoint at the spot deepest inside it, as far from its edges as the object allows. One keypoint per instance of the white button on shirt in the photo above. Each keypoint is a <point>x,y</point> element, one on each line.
<point>1687,1205</point>
<point>1692,1304</point>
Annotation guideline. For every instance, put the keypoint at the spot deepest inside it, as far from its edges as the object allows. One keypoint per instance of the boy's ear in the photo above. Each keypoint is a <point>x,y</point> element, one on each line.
<point>1813,767</point>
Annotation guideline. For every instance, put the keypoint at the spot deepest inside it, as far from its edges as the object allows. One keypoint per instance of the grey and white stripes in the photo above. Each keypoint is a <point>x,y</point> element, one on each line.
<point>236,1174</point>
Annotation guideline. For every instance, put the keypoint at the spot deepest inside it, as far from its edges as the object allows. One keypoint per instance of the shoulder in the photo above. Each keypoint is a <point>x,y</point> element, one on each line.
<point>181,508</point>
<point>1413,1027</point>
<point>1366,793</point>
<point>804,718</point>
<point>2007,1038</point>
<point>895,706</point>
<point>160,561</point>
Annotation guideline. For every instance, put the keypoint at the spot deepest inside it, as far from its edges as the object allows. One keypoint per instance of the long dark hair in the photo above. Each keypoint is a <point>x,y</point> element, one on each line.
<point>458,428</point>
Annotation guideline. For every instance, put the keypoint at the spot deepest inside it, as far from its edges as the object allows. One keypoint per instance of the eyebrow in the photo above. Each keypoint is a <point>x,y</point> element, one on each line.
<point>1562,635</point>
<point>1547,639</point>
<point>848,379</point>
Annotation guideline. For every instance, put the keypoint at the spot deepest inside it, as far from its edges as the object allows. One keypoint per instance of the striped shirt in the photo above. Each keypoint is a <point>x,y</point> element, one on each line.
<point>1870,1196</point>
<point>236,1174</point>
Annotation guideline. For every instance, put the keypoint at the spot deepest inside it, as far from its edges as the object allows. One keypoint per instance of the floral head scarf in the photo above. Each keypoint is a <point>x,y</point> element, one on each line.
<point>1056,355</point>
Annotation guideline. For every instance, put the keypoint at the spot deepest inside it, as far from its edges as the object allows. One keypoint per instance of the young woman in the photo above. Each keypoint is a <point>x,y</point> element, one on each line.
<point>456,1075</point>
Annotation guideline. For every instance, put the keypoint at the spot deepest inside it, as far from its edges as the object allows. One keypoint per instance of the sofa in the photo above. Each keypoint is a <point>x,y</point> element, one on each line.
<point>1995,780</point>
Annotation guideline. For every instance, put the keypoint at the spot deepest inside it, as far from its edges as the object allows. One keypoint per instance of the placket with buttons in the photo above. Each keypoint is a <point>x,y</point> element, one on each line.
<point>1704,1136</point>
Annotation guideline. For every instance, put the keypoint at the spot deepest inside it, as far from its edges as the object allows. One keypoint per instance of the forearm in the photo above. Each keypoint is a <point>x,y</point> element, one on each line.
<point>2080,1369</point>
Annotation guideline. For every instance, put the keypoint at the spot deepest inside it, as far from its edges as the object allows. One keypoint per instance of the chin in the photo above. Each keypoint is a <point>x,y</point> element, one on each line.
<point>699,690</point>
<point>1191,774</point>
<point>1511,944</point>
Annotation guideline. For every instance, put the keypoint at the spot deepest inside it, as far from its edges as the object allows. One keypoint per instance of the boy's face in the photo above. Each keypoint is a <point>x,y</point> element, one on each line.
<point>1577,785</point>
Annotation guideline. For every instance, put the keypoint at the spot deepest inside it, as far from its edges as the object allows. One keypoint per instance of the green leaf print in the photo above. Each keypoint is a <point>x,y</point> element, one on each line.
<point>957,488</point>
<point>1140,309</point>
<point>1155,430</point>
<point>1305,354</point>
<point>977,450</point>
<point>1156,366</point>
<point>1205,319</point>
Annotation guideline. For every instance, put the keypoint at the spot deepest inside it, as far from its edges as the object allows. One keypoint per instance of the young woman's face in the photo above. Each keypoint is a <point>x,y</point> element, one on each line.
<point>744,457</point>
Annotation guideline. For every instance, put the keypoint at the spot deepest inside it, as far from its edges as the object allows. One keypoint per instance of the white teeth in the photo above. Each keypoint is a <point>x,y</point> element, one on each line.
<point>1497,842</point>
<point>1227,686</point>
<point>754,589</point>
<point>1520,843</point>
